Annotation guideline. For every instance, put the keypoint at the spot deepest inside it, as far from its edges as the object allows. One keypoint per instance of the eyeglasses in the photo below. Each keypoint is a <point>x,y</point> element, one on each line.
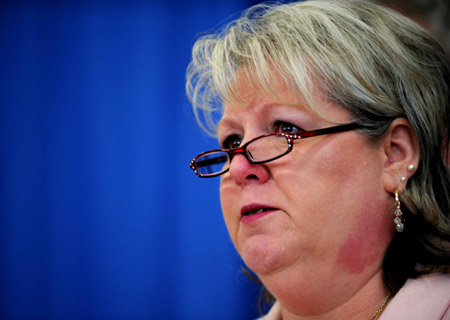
<point>259,150</point>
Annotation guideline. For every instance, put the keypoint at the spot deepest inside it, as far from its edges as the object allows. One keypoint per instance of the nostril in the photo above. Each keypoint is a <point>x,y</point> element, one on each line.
<point>243,171</point>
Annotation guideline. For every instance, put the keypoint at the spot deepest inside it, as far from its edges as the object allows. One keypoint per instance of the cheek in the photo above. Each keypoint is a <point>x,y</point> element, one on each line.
<point>367,240</point>
<point>228,198</point>
<point>358,229</point>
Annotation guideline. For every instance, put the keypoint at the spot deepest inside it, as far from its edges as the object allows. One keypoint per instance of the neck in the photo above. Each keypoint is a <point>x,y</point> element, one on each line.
<point>363,304</point>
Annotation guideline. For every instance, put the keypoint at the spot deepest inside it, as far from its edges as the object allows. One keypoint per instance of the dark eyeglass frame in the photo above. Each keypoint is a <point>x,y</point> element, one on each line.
<point>243,150</point>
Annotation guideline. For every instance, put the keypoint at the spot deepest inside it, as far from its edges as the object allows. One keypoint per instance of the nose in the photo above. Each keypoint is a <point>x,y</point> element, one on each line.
<point>244,172</point>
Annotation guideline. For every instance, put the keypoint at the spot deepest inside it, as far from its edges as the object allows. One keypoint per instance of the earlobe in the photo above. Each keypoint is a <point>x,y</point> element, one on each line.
<point>401,149</point>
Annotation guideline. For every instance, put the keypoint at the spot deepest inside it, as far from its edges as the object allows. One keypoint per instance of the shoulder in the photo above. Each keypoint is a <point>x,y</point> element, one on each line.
<point>427,297</point>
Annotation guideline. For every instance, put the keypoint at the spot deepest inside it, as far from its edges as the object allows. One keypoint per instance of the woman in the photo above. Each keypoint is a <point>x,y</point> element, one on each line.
<point>335,188</point>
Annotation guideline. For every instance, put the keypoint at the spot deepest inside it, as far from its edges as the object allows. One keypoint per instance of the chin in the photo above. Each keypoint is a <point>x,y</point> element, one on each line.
<point>262,254</point>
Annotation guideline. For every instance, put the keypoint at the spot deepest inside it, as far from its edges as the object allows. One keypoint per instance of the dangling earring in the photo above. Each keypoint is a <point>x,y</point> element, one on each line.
<point>399,226</point>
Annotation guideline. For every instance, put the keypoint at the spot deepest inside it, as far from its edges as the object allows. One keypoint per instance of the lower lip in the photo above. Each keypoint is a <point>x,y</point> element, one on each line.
<point>252,218</point>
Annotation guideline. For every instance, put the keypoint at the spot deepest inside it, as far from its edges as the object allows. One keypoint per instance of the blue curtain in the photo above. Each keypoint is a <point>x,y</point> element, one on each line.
<point>101,217</point>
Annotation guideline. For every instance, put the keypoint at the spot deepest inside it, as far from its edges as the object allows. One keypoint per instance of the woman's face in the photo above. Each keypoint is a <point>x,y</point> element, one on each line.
<point>317,212</point>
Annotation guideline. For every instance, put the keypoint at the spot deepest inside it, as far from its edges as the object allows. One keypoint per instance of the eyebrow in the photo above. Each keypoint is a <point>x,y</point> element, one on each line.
<point>266,108</point>
<point>227,122</point>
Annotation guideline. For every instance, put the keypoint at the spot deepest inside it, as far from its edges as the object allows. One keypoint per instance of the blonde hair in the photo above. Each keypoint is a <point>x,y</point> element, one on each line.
<point>370,60</point>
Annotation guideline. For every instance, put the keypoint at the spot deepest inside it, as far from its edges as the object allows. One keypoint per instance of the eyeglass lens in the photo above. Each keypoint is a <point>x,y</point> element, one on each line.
<point>212,163</point>
<point>261,149</point>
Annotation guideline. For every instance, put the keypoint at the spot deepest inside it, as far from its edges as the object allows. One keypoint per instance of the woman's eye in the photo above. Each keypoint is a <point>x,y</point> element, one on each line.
<point>287,128</point>
<point>232,142</point>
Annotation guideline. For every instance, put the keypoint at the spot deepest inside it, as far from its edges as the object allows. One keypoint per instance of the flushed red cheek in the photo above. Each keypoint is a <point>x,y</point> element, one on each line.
<point>355,256</point>
<point>364,246</point>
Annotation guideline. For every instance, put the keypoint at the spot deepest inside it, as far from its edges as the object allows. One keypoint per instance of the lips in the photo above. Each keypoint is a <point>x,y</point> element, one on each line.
<point>253,209</point>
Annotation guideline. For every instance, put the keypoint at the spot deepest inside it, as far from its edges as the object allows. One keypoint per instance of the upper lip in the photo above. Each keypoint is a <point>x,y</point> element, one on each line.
<point>254,207</point>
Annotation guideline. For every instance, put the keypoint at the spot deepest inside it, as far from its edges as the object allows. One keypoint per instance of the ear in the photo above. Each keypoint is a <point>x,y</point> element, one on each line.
<point>401,149</point>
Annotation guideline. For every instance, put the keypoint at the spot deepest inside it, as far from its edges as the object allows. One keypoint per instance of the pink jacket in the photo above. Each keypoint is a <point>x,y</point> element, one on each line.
<point>424,298</point>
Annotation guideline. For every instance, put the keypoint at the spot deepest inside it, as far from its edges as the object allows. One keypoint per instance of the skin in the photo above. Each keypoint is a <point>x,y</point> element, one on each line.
<point>320,251</point>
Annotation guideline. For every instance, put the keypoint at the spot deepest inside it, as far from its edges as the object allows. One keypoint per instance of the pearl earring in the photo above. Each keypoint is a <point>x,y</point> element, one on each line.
<point>399,225</point>
<point>411,168</point>
<point>403,179</point>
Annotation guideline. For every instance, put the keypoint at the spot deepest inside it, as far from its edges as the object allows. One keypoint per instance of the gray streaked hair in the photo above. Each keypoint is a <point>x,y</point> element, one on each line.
<point>367,58</point>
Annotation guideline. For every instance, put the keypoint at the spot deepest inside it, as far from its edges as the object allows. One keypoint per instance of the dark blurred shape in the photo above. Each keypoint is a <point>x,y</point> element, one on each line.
<point>433,15</point>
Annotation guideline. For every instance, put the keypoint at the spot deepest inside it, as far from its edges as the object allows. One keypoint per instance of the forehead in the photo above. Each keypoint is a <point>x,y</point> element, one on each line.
<point>249,96</point>
<point>258,104</point>
<point>252,95</point>
<point>248,85</point>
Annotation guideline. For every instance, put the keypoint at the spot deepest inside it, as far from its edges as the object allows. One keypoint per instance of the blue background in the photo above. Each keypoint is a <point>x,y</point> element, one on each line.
<point>101,218</point>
